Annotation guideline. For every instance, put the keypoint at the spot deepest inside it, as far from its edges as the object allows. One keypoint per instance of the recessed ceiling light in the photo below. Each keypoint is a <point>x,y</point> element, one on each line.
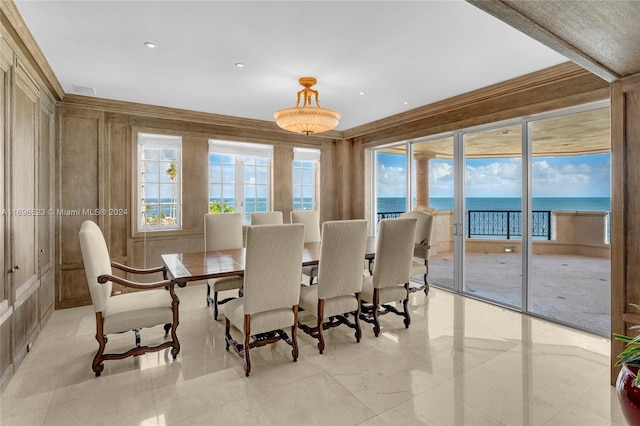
<point>150,45</point>
<point>362,92</point>
<point>406,102</point>
<point>239,65</point>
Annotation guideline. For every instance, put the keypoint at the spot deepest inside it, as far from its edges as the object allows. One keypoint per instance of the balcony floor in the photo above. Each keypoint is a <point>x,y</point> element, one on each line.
<point>568,288</point>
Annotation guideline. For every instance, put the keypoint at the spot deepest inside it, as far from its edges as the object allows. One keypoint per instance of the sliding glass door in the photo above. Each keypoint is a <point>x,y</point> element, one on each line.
<point>520,211</point>
<point>433,177</point>
<point>570,267</point>
<point>493,214</point>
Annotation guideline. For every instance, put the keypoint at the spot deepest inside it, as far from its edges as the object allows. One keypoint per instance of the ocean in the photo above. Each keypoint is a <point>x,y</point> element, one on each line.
<point>391,204</point>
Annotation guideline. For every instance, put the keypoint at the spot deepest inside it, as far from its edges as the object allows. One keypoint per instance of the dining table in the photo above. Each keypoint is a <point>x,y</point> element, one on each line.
<point>183,268</point>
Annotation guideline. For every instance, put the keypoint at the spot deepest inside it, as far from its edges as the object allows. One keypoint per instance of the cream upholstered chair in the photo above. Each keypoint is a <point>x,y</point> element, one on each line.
<point>311,221</point>
<point>339,279</point>
<point>266,218</point>
<point>391,272</point>
<point>273,264</point>
<point>422,251</point>
<point>222,231</point>
<point>129,311</point>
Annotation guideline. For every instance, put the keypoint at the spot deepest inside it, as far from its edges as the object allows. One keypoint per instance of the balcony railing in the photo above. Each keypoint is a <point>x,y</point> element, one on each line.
<point>499,223</point>
<point>507,224</point>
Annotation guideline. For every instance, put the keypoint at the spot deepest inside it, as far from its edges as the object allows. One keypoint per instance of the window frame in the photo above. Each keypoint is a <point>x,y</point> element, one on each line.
<point>246,156</point>
<point>305,159</point>
<point>159,142</point>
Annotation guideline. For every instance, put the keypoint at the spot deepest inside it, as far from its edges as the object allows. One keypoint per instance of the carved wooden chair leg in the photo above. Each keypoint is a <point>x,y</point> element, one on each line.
<point>209,299</point>
<point>426,283</point>
<point>294,340</point>
<point>320,317</point>
<point>405,305</point>
<point>227,335</point>
<point>97,364</point>
<point>356,321</point>
<point>215,305</point>
<point>247,335</point>
<point>376,320</point>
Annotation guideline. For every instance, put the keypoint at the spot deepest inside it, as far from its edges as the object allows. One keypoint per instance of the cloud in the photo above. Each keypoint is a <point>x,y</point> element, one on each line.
<point>579,176</point>
<point>391,181</point>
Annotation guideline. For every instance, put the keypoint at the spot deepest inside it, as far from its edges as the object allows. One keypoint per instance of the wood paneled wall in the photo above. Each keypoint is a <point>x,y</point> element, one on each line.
<point>27,279</point>
<point>97,169</point>
<point>625,205</point>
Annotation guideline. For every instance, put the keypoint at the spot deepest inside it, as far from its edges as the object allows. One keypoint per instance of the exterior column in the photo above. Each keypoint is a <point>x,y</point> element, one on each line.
<point>422,182</point>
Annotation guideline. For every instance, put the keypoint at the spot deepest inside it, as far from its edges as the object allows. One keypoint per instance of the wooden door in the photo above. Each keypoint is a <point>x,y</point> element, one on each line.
<point>23,221</point>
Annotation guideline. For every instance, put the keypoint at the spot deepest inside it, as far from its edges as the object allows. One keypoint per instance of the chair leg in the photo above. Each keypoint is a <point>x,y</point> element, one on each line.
<point>97,364</point>
<point>405,305</point>
<point>376,321</point>
<point>320,316</point>
<point>209,299</point>
<point>294,334</point>
<point>215,305</point>
<point>356,321</point>
<point>227,335</point>
<point>426,283</point>
<point>175,303</point>
<point>247,335</point>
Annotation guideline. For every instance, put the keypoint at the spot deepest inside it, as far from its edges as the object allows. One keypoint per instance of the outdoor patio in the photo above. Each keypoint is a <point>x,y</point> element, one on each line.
<point>568,288</point>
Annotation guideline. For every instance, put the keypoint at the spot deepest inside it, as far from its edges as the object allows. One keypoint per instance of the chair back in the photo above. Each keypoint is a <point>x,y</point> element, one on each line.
<point>266,218</point>
<point>341,256</point>
<point>95,256</point>
<point>311,221</point>
<point>222,231</point>
<point>424,232</point>
<point>273,265</point>
<point>394,252</point>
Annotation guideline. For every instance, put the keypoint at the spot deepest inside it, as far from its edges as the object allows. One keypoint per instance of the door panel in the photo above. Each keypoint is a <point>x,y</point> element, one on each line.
<point>24,264</point>
<point>493,219</point>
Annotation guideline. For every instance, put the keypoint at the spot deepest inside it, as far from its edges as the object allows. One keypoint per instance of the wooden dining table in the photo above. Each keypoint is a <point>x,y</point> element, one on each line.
<point>183,268</point>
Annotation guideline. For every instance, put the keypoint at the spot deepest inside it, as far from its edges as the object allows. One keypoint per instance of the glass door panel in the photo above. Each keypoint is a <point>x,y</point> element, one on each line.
<point>391,182</point>
<point>433,192</point>
<point>493,217</point>
<point>570,266</point>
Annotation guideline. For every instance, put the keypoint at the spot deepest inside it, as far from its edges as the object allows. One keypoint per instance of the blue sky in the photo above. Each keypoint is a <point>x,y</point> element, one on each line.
<point>575,176</point>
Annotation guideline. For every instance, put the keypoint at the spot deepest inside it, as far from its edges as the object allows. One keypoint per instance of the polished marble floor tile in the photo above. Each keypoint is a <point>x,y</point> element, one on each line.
<point>461,362</point>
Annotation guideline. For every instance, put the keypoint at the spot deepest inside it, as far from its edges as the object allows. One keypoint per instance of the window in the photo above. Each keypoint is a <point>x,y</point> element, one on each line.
<point>305,165</point>
<point>239,177</point>
<point>159,164</point>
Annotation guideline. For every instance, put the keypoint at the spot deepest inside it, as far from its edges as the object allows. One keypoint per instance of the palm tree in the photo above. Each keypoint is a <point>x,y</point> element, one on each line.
<point>172,171</point>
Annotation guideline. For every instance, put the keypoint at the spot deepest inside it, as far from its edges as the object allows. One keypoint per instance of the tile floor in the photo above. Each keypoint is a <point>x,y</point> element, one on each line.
<point>462,362</point>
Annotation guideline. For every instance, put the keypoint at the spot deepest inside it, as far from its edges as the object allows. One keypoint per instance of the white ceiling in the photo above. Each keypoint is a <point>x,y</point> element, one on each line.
<point>395,51</point>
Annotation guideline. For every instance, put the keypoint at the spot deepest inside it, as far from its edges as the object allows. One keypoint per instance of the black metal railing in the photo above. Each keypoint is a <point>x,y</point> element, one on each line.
<point>499,223</point>
<point>506,224</point>
<point>388,215</point>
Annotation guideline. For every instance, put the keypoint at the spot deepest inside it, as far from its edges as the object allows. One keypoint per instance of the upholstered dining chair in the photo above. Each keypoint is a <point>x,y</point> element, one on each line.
<point>311,221</point>
<point>129,311</point>
<point>222,231</point>
<point>273,264</point>
<point>337,293</point>
<point>267,218</point>
<point>422,251</point>
<point>391,272</point>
